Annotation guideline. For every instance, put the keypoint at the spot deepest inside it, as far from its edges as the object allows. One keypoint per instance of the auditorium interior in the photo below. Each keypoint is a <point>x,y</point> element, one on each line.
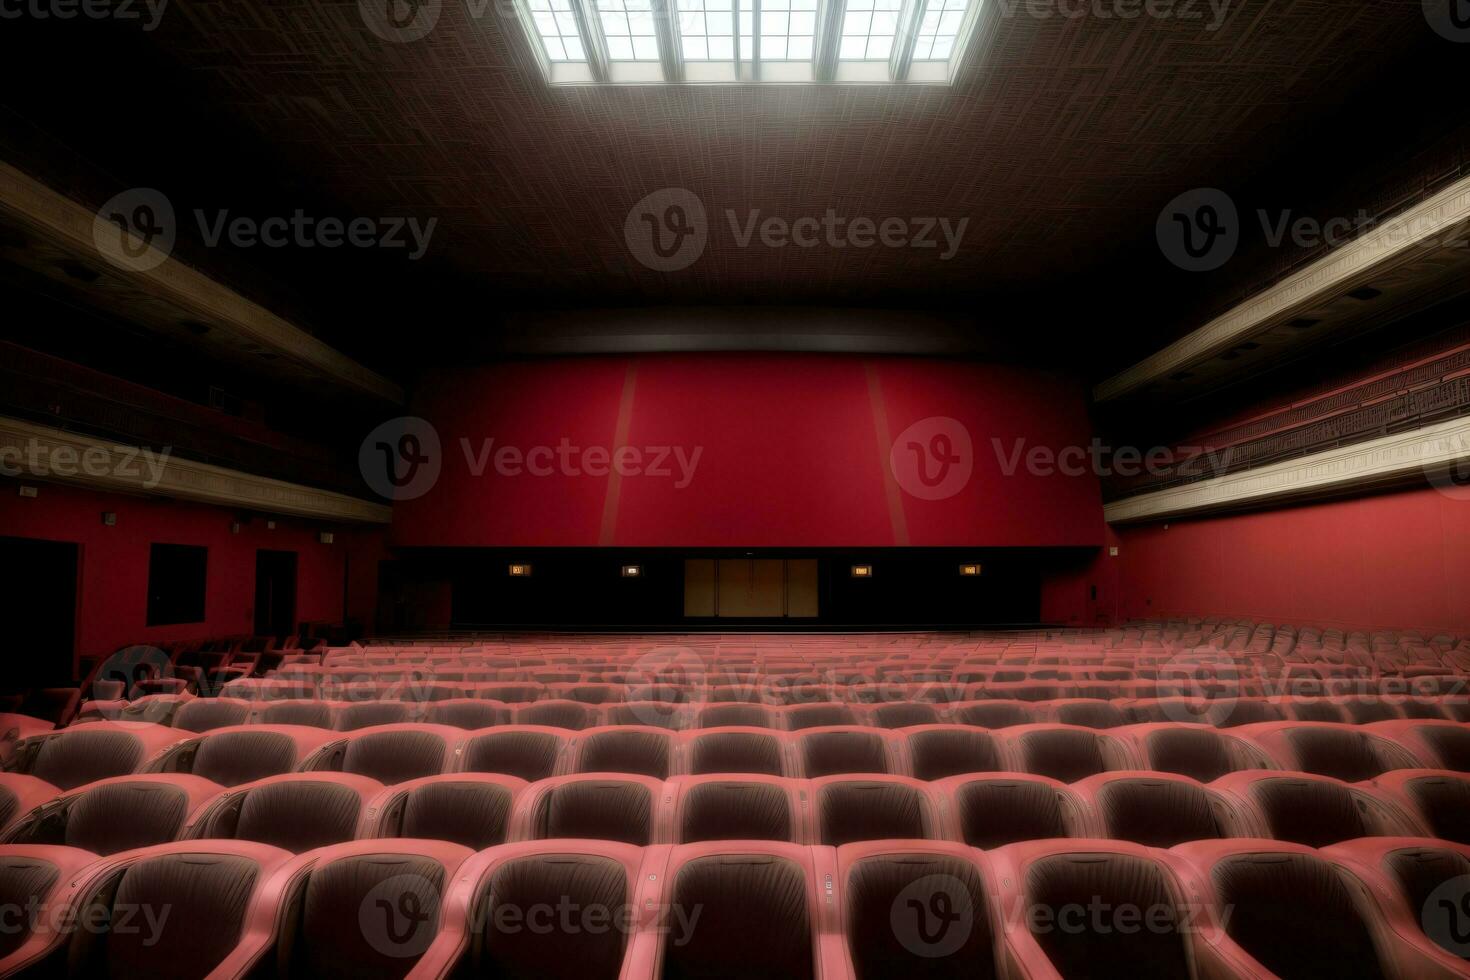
<point>798,489</point>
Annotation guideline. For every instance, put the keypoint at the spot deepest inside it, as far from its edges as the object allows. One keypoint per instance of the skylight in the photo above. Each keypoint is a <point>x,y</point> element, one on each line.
<point>741,41</point>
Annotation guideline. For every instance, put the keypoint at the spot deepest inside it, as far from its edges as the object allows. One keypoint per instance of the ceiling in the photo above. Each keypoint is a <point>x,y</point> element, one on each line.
<point>1058,144</point>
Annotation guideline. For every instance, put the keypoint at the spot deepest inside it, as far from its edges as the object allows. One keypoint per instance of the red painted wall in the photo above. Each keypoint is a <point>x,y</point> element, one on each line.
<point>112,597</point>
<point>1392,561</point>
<point>794,452</point>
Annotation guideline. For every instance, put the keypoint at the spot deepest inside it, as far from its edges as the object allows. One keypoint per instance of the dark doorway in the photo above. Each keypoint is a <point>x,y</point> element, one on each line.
<point>41,611</point>
<point>275,593</point>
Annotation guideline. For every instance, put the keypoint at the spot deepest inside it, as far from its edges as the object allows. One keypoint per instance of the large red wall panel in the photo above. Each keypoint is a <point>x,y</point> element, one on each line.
<point>792,451</point>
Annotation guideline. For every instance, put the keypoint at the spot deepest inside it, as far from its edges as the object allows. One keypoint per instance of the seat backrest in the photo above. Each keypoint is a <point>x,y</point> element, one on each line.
<point>243,756</point>
<point>903,714</point>
<point>937,752</point>
<point>1314,812</point>
<point>1420,873</point>
<point>557,714</point>
<point>312,714</point>
<point>742,897</point>
<point>294,814</point>
<point>1313,709</point>
<point>735,713</point>
<point>1450,745</point>
<point>354,715</point>
<point>1156,812</point>
<point>74,757</point>
<point>562,948</point>
<point>597,809</point>
<point>851,810</point>
<point>1061,753</point>
<point>1090,714</point>
<point>643,752</point>
<point>525,753</point>
<point>204,714</point>
<point>735,751</point>
<point>804,716</point>
<point>1364,711</point>
<point>456,808</point>
<point>833,752</point>
<point>467,713</point>
<point>1084,946</point>
<point>207,895</point>
<point>366,915</point>
<point>1444,802</point>
<point>997,811</point>
<point>121,815</point>
<point>888,900</point>
<point>1247,711</point>
<point>1293,913</point>
<point>396,754</point>
<point>1186,750</point>
<point>995,714</point>
<point>729,809</point>
<point>1341,753</point>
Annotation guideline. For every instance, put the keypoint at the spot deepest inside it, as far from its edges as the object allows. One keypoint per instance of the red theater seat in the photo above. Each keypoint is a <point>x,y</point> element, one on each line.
<point>893,894</point>
<point>633,749</point>
<point>244,753</point>
<point>397,753</point>
<point>221,897</point>
<point>1291,914</point>
<point>847,749</point>
<point>523,751</point>
<point>904,714</point>
<point>736,714</point>
<point>994,714</point>
<point>116,814</point>
<point>1084,713</point>
<point>207,714</point>
<point>1349,753</point>
<point>1308,809</point>
<point>1440,799</point>
<point>853,808</point>
<point>352,716</point>
<point>294,811</point>
<point>571,715</point>
<point>1154,809</point>
<point>369,908</point>
<point>1419,886</point>
<point>1436,744</point>
<point>469,808</point>
<point>311,714</point>
<point>1064,903</point>
<point>1063,752</point>
<point>668,715</point>
<point>745,890</point>
<point>86,753</point>
<point>485,930</point>
<point>798,717</point>
<point>35,876</point>
<point>19,795</point>
<point>1002,808</point>
<point>937,751</point>
<point>739,807</point>
<point>466,713</point>
<point>732,750</point>
<point>618,807</point>
<point>1190,750</point>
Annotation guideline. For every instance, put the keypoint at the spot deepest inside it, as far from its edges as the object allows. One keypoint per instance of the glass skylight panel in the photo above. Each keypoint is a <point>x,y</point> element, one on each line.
<point>557,25</point>
<point>788,30</point>
<point>629,28</point>
<point>707,30</point>
<point>868,30</point>
<point>939,29</point>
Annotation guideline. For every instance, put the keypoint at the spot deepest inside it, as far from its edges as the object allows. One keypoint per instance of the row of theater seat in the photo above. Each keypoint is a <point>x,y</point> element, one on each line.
<point>565,909</point>
<point>397,753</point>
<point>302,810</point>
